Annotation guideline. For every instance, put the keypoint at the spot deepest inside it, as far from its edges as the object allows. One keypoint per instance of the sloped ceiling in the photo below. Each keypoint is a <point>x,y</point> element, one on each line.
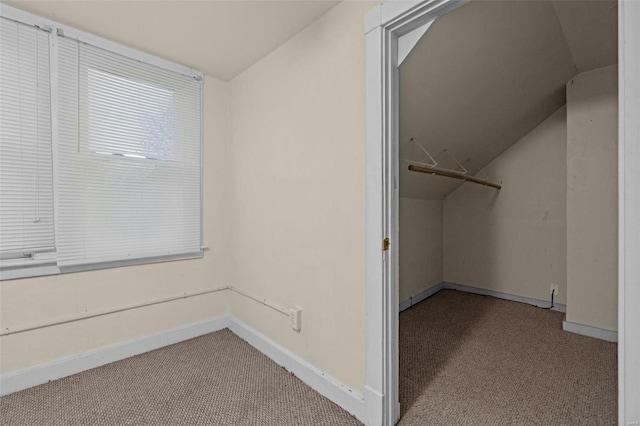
<point>488,73</point>
<point>219,38</point>
<point>591,30</point>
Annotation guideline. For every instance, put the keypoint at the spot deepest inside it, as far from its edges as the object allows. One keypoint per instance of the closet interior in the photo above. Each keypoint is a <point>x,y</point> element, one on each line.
<point>508,174</point>
<point>508,155</point>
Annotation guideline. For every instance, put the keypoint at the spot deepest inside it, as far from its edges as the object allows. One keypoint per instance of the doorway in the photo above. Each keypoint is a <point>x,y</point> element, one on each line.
<point>391,29</point>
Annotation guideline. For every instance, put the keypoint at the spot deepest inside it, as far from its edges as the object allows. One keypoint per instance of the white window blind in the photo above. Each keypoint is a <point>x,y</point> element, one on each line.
<point>128,158</point>
<point>26,183</point>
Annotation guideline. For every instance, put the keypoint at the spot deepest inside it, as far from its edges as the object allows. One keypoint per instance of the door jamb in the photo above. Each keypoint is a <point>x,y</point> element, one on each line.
<point>383,27</point>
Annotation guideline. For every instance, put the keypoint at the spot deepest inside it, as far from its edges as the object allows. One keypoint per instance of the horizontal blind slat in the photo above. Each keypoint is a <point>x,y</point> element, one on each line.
<point>26,182</point>
<point>109,206</point>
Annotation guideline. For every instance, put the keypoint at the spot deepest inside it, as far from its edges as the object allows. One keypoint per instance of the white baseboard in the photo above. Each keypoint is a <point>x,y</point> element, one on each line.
<point>34,376</point>
<point>323,383</point>
<point>506,296</point>
<point>587,330</point>
<point>374,407</point>
<point>407,303</point>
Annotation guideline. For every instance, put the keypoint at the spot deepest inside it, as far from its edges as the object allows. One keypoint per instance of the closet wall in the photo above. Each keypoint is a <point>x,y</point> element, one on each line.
<point>513,240</point>
<point>592,198</point>
<point>420,245</point>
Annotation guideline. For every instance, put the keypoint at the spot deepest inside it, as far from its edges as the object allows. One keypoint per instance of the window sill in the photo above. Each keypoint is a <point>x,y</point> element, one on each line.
<point>53,269</point>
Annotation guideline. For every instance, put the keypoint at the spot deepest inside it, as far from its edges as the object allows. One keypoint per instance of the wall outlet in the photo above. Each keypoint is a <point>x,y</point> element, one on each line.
<point>295,318</point>
<point>553,289</point>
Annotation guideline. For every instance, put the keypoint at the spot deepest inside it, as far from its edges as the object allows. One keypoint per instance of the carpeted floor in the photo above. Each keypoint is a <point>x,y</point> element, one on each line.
<point>464,360</point>
<point>474,360</point>
<point>217,379</point>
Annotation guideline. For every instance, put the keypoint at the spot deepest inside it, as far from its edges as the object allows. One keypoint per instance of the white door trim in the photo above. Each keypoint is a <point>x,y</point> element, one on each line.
<point>383,26</point>
<point>629,213</point>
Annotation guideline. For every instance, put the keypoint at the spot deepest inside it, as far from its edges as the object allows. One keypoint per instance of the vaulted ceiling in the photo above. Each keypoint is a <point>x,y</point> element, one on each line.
<point>489,72</point>
<point>219,38</point>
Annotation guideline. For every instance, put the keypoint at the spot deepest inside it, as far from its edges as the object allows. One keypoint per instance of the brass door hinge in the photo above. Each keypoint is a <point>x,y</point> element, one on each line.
<point>386,243</point>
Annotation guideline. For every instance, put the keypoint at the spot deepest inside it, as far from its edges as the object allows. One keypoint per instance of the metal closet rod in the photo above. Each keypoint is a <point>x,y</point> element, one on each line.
<point>459,176</point>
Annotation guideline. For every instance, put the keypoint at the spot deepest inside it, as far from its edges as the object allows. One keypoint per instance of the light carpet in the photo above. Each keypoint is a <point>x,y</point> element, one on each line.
<point>475,360</point>
<point>464,360</point>
<point>217,379</point>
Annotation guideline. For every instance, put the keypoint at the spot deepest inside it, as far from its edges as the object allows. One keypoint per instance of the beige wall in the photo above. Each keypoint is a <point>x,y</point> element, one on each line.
<point>32,301</point>
<point>297,179</point>
<point>289,190</point>
<point>513,240</point>
<point>592,198</point>
<point>420,245</point>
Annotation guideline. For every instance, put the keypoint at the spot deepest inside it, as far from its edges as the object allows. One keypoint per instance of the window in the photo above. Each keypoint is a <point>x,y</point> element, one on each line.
<point>151,127</point>
<point>128,158</point>
<point>26,182</point>
<point>117,179</point>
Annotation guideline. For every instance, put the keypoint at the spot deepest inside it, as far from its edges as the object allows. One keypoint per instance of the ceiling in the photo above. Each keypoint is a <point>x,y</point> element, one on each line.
<point>219,38</point>
<point>484,76</point>
<point>488,73</point>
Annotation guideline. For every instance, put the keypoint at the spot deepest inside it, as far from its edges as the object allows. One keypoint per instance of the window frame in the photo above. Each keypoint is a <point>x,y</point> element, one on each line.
<point>56,30</point>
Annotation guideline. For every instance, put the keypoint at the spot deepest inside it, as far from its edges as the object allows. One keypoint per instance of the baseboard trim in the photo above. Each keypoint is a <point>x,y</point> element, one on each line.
<point>34,376</point>
<point>324,384</point>
<point>560,307</point>
<point>407,303</point>
<point>572,327</point>
<point>374,404</point>
<point>589,331</point>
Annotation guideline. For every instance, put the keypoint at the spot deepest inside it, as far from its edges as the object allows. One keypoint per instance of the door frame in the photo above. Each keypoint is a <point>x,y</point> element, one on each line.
<point>628,212</point>
<point>384,26</point>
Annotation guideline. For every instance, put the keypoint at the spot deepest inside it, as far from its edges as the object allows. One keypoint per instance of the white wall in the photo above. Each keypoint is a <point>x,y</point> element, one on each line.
<point>513,240</point>
<point>32,301</point>
<point>297,188</point>
<point>421,249</point>
<point>592,198</point>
